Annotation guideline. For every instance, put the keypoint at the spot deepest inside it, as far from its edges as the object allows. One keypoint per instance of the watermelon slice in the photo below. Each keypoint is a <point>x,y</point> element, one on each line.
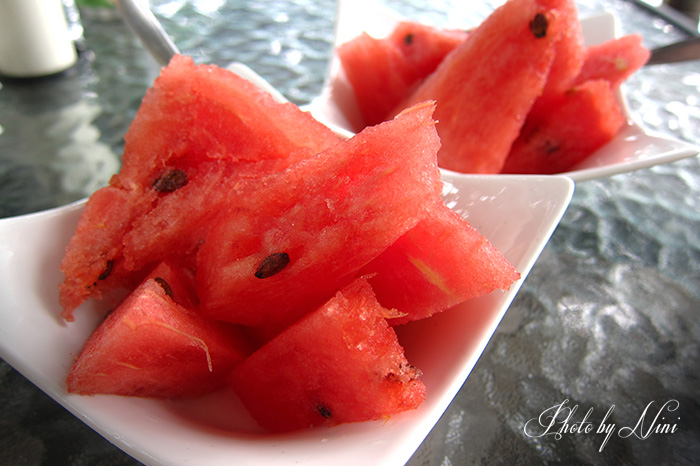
<point>197,113</point>
<point>341,363</point>
<point>424,46</point>
<point>319,222</point>
<point>486,86</point>
<point>152,347</point>
<point>382,71</point>
<point>614,60</point>
<point>164,232</point>
<point>569,52</point>
<point>198,128</point>
<point>565,129</point>
<point>93,263</point>
<point>439,263</point>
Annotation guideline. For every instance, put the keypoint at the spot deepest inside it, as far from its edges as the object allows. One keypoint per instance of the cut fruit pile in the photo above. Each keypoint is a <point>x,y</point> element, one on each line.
<point>520,93</point>
<point>258,250</point>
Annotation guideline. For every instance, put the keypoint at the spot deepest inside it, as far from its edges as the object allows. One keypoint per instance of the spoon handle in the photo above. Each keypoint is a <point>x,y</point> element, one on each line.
<point>680,51</point>
<point>140,18</point>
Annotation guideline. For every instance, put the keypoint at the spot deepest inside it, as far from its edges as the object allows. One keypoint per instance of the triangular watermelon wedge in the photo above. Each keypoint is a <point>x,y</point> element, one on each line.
<point>569,52</point>
<point>614,60</point>
<point>486,86</point>
<point>564,129</point>
<point>326,216</point>
<point>341,363</point>
<point>199,128</point>
<point>398,63</point>
<point>152,347</point>
<point>439,263</point>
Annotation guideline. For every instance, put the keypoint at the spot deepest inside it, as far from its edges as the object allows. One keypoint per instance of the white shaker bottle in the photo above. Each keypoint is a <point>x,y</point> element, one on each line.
<point>34,38</point>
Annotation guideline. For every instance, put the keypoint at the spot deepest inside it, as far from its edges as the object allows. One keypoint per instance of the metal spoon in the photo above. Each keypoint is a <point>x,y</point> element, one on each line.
<point>686,50</point>
<point>139,17</point>
<point>141,20</point>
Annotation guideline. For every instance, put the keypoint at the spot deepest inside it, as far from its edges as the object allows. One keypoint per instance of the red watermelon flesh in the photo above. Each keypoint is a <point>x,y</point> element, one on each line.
<point>377,89</point>
<point>439,263</point>
<point>565,129</point>
<point>272,242</point>
<point>424,46</point>
<point>382,71</point>
<point>569,52</point>
<point>614,60</point>
<point>178,282</point>
<point>179,221</point>
<point>93,261</point>
<point>486,86</point>
<point>319,222</point>
<point>199,128</point>
<point>197,113</point>
<point>152,347</point>
<point>341,363</point>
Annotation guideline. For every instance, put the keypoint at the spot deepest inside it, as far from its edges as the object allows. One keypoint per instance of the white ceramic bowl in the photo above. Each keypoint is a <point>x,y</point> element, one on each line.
<point>633,148</point>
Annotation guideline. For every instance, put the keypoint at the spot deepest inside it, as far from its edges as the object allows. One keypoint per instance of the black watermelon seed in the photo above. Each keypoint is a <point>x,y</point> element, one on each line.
<point>272,265</point>
<point>324,411</point>
<point>166,286</point>
<point>538,26</point>
<point>170,181</point>
<point>107,271</point>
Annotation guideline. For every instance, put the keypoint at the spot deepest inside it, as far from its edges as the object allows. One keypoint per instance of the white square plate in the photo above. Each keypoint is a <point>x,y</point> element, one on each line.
<point>517,213</point>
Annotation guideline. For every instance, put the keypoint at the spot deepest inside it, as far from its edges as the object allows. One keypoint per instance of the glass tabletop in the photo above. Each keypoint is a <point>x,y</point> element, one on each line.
<point>605,325</point>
